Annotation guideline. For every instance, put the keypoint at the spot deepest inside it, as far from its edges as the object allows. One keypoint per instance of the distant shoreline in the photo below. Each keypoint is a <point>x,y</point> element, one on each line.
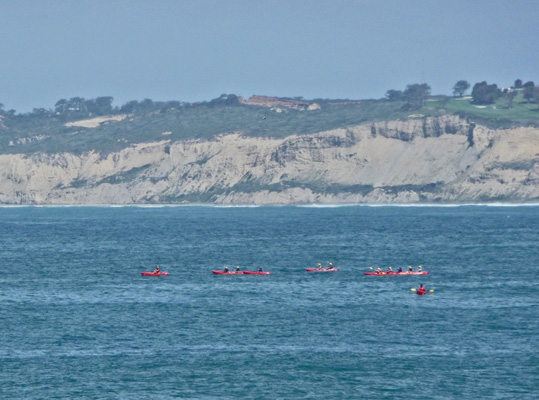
<point>172,205</point>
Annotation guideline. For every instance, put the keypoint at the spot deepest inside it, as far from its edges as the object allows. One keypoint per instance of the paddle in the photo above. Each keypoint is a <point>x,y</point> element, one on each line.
<point>414,290</point>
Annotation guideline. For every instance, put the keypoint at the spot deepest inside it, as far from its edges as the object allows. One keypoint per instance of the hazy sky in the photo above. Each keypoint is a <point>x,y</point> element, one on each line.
<point>197,50</point>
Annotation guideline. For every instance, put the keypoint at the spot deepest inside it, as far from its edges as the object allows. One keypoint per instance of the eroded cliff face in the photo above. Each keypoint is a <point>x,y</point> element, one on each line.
<point>443,159</point>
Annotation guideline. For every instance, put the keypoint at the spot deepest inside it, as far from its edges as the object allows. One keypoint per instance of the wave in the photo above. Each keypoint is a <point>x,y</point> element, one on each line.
<point>328,205</point>
<point>433,205</point>
<point>236,206</point>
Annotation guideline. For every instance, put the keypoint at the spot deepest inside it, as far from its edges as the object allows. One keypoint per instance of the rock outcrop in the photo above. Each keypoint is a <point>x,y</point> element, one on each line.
<point>444,159</point>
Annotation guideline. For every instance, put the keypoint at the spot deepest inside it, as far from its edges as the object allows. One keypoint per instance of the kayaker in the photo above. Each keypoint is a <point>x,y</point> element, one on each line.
<point>157,270</point>
<point>226,269</point>
<point>330,266</point>
<point>238,268</point>
<point>421,289</point>
<point>410,269</point>
<point>419,269</point>
<point>379,270</point>
<point>389,271</point>
<point>260,270</point>
<point>400,269</point>
<point>319,267</point>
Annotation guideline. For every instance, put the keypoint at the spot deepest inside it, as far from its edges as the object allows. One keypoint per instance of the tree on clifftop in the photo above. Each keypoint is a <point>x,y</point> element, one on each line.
<point>460,87</point>
<point>415,94</point>
<point>394,95</point>
<point>509,97</point>
<point>100,106</point>
<point>531,92</point>
<point>483,93</point>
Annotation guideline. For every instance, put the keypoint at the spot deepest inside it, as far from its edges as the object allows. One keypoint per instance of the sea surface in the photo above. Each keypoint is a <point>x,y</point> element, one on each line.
<point>78,321</point>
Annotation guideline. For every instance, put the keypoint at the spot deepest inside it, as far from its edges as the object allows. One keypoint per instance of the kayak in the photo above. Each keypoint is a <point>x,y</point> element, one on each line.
<point>228,273</point>
<point>397,273</point>
<point>154,273</point>
<point>256,273</point>
<point>321,270</point>
<point>421,292</point>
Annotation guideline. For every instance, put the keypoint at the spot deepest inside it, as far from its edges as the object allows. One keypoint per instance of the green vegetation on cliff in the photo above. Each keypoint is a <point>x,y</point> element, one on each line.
<point>51,131</point>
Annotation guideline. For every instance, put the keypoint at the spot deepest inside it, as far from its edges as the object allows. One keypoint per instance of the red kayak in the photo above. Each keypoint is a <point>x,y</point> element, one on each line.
<point>154,273</point>
<point>228,273</point>
<point>321,270</point>
<point>421,292</point>
<point>256,273</point>
<point>397,273</point>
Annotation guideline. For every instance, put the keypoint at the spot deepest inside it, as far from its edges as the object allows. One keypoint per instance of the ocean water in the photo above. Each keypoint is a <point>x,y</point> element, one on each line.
<point>78,321</point>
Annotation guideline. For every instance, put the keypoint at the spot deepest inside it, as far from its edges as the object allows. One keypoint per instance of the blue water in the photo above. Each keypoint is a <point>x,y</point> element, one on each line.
<point>78,321</point>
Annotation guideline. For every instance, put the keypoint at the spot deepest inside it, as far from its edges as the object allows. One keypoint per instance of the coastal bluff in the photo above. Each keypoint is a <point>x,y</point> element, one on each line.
<point>445,159</point>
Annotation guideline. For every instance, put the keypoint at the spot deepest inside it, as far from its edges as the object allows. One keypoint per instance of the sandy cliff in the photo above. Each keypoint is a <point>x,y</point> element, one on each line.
<point>443,159</point>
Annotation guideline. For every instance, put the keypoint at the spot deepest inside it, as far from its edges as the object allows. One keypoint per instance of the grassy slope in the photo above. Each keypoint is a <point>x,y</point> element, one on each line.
<point>206,120</point>
<point>495,115</point>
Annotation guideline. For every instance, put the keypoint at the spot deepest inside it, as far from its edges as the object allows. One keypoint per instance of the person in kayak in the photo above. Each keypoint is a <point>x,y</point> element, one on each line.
<point>226,269</point>
<point>330,266</point>
<point>260,269</point>
<point>379,270</point>
<point>400,269</point>
<point>238,268</point>
<point>389,270</point>
<point>421,289</point>
<point>410,269</point>
<point>419,269</point>
<point>157,270</point>
<point>319,267</point>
